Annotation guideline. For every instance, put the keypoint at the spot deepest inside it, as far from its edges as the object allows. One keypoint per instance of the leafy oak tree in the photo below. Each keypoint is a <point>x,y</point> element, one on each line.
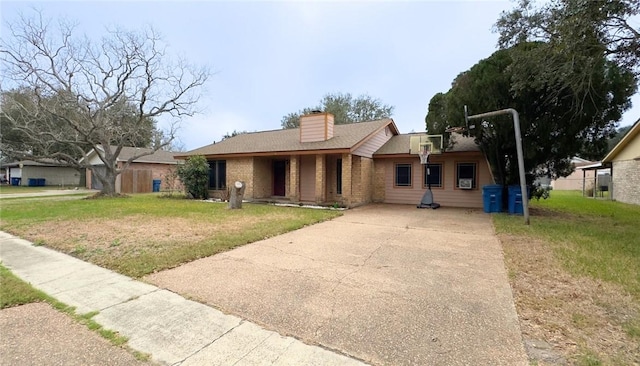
<point>87,94</point>
<point>345,110</point>
<point>552,130</point>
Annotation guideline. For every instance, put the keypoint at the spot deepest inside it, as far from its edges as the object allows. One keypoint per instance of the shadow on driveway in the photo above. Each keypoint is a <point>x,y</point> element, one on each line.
<point>389,284</point>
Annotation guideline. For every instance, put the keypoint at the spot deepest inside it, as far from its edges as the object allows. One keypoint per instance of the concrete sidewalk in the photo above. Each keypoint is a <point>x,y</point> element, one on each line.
<point>174,330</point>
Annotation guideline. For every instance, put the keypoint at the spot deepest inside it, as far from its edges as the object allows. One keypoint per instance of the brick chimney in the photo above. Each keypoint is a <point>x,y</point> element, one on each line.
<point>316,126</point>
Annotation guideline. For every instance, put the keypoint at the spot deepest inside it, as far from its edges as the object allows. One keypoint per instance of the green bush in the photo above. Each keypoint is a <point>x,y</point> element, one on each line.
<point>540,192</point>
<point>194,174</point>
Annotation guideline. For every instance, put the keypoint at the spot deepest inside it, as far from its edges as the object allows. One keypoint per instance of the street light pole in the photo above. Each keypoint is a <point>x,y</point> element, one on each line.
<point>516,127</point>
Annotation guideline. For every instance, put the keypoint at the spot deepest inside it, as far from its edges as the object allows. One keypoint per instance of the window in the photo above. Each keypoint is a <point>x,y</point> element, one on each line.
<point>217,174</point>
<point>466,171</point>
<point>403,175</point>
<point>435,175</point>
<point>339,176</point>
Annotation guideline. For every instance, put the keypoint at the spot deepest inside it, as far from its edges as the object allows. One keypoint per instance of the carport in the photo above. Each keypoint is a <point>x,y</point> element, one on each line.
<point>600,184</point>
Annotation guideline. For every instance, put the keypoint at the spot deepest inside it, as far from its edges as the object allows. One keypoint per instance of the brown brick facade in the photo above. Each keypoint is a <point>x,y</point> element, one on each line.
<point>347,191</point>
<point>238,169</point>
<point>262,178</point>
<point>378,182</point>
<point>626,181</point>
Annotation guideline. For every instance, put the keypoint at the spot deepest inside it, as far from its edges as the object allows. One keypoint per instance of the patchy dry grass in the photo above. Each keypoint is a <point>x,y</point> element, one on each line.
<point>143,234</point>
<point>575,273</point>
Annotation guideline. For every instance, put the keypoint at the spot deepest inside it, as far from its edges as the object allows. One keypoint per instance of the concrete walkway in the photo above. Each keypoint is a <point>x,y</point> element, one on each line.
<point>174,330</point>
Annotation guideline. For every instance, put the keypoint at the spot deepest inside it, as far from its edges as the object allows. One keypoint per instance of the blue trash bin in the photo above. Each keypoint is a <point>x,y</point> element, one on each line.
<point>41,182</point>
<point>515,200</point>
<point>492,198</point>
<point>156,185</point>
<point>15,181</point>
<point>32,182</point>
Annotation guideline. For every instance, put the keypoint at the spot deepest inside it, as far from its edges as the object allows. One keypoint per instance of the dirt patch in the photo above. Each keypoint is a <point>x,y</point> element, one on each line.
<point>583,320</point>
<point>117,235</point>
<point>545,212</point>
<point>144,238</point>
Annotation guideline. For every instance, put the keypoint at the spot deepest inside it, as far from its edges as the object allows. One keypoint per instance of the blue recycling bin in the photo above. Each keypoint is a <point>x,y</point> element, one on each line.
<point>156,185</point>
<point>32,182</point>
<point>515,200</point>
<point>15,181</point>
<point>41,182</point>
<point>492,198</point>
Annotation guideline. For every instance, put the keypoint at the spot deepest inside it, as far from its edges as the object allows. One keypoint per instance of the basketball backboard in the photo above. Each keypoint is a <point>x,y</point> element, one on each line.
<point>431,143</point>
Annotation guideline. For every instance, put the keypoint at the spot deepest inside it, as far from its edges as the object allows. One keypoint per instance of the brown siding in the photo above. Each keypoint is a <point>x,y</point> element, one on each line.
<point>448,195</point>
<point>374,143</point>
<point>316,127</point>
<point>307,178</point>
<point>163,172</point>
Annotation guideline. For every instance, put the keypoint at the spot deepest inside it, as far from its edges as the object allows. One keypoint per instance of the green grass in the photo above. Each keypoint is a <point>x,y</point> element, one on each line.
<point>146,254</point>
<point>14,291</point>
<point>594,238</point>
<point>6,189</point>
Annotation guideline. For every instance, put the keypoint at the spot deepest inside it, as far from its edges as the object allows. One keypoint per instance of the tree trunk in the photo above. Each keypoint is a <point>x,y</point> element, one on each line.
<point>108,181</point>
<point>237,193</point>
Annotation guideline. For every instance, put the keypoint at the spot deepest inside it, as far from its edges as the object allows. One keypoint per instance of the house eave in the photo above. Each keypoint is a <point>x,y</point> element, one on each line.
<point>626,139</point>
<point>271,153</point>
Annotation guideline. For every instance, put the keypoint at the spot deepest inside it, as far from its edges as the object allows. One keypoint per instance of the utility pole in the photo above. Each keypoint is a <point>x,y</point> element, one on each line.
<point>516,127</point>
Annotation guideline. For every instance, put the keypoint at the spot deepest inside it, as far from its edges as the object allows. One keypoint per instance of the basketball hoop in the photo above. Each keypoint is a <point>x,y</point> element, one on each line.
<point>424,156</point>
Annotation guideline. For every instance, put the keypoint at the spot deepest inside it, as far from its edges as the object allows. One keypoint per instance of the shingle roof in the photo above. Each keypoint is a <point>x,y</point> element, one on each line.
<point>344,137</point>
<point>159,157</point>
<point>399,144</point>
<point>43,162</point>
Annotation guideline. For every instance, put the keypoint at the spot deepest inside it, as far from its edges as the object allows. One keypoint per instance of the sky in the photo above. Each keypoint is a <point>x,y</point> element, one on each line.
<point>269,59</point>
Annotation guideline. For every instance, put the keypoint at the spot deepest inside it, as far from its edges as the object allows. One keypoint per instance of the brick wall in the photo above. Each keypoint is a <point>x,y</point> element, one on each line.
<point>347,185</point>
<point>626,181</point>
<point>293,178</point>
<point>262,178</point>
<point>321,178</point>
<point>366,179</point>
<point>356,180</point>
<point>239,169</point>
<point>378,181</point>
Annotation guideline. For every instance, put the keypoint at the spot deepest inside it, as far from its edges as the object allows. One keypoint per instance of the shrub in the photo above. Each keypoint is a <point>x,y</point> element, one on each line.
<point>194,174</point>
<point>539,191</point>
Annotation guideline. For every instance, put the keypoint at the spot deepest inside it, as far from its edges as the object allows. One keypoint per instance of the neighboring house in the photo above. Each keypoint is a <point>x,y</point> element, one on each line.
<point>47,172</point>
<point>139,176</point>
<point>624,159</point>
<point>575,180</point>
<point>352,164</point>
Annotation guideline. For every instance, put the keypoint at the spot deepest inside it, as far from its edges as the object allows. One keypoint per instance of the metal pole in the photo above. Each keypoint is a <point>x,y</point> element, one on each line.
<point>516,127</point>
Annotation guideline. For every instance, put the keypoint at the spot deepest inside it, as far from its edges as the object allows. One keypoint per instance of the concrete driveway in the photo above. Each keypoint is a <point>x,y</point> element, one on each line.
<point>388,284</point>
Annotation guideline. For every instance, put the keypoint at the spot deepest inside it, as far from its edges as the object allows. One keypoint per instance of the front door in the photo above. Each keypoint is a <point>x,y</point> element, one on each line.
<point>279,177</point>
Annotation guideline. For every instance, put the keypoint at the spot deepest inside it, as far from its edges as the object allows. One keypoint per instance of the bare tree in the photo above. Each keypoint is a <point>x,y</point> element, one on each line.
<point>83,94</point>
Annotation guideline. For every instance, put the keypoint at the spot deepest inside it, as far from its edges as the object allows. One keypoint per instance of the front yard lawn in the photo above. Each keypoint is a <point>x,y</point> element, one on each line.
<point>143,234</point>
<point>575,274</point>
<point>7,189</point>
